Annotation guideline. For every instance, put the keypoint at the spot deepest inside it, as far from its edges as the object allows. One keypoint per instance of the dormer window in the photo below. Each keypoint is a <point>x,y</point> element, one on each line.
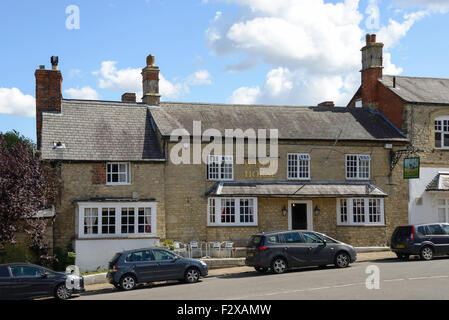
<point>442,132</point>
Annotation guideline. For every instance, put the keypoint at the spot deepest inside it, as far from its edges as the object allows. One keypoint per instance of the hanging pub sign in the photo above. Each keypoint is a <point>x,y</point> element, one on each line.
<point>411,168</point>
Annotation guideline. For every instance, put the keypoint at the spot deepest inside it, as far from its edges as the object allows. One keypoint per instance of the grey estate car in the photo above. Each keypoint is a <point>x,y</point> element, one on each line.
<point>128,268</point>
<point>287,249</point>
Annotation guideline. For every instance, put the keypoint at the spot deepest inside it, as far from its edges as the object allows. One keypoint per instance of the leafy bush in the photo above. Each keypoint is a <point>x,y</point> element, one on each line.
<point>17,253</point>
<point>63,259</point>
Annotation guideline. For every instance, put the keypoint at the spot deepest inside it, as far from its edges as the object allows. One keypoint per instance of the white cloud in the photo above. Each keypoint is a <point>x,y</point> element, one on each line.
<point>130,80</point>
<point>14,102</point>
<point>86,93</point>
<point>441,6</point>
<point>313,47</point>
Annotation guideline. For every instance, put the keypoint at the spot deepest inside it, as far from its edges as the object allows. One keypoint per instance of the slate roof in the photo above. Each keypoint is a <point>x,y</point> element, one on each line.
<point>100,131</point>
<point>439,183</point>
<point>295,189</point>
<point>419,90</point>
<point>308,123</point>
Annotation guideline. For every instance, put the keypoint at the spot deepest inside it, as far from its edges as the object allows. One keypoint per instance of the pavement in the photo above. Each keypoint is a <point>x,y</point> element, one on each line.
<point>374,276</point>
<point>361,257</point>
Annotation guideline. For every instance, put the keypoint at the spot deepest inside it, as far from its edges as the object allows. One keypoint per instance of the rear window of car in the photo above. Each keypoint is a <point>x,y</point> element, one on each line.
<point>254,241</point>
<point>115,258</point>
<point>403,231</point>
<point>4,272</point>
<point>422,230</point>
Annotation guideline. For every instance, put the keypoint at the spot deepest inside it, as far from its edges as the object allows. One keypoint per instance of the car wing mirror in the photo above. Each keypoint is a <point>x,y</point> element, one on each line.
<point>44,275</point>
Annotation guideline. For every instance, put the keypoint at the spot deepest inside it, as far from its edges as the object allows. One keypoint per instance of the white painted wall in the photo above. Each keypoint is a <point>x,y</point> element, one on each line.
<point>427,212</point>
<point>94,253</point>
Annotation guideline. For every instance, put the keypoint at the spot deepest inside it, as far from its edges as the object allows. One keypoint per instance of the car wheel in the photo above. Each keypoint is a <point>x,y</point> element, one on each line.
<point>261,270</point>
<point>62,293</point>
<point>278,265</point>
<point>192,275</point>
<point>342,260</point>
<point>426,253</point>
<point>128,282</point>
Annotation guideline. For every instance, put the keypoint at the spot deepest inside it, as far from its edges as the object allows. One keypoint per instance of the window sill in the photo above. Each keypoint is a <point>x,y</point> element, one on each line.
<point>118,184</point>
<point>233,225</point>
<point>116,237</point>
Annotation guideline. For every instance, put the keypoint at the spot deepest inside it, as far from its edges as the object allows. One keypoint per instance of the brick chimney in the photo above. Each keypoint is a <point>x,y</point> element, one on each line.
<point>129,97</point>
<point>48,93</point>
<point>150,82</point>
<point>371,71</point>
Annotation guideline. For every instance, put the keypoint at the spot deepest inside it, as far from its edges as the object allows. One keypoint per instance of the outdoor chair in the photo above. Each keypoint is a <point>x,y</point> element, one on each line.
<point>194,245</point>
<point>229,247</point>
<point>180,248</point>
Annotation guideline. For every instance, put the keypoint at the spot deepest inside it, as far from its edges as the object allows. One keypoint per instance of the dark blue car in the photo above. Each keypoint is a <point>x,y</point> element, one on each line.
<point>128,268</point>
<point>28,281</point>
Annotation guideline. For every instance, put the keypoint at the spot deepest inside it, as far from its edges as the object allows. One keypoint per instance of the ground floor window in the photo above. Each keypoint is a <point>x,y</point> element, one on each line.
<point>443,210</point>
<point>116,219</point>
<point>360,211</point>
<point>232,211</point>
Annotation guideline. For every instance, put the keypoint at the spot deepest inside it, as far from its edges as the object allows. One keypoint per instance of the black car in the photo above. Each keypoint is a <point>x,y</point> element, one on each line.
<point>28,281</point>
<point>424,240</point>
<point>287,249</point>
<point>128,268</point>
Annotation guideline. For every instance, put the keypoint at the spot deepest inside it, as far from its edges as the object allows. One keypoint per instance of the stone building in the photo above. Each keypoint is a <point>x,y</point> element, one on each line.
<point>131,173</point>
<point>419,107</point>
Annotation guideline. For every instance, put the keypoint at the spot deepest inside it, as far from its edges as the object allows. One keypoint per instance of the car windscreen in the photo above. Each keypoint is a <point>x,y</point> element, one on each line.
<point>254,241</point>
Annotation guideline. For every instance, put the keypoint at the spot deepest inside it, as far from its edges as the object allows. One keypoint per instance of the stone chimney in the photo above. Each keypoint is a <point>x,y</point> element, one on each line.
<point>129,97</point>
<point>48,93</point>
<point>326,104</point>
<point>371,70</point>
<point>150,82</point>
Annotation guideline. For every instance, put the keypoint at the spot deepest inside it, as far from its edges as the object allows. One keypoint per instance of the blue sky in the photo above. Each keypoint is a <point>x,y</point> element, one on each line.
<point>293,52</point>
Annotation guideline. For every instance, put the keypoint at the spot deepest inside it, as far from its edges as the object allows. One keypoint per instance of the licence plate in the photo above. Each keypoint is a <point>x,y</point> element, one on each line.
<point>400,246</point>
<point>250,254</point>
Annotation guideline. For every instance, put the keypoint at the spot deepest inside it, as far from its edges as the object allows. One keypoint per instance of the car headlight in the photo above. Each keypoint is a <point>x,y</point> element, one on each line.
<point>204,264</point>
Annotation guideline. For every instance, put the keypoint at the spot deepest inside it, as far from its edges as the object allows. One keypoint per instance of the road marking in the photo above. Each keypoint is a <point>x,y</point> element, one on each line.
<point>393,280</point>
<point>433,277</point>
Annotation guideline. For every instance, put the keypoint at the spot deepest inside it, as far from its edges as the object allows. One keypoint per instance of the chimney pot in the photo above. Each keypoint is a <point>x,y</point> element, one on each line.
<point>42,67</point>
<point>373,38</point>
<point>129,97</point>
<point>150,60</point>
<point>54,62</point>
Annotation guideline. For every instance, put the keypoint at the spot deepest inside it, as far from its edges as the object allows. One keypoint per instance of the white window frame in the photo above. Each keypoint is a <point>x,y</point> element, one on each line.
<point>219,161</point>
<point>300,158</point>
<point>445,207</point>
<point>366,205</point>
<point>128,173</point>
<point>443,129</point>
<point>82,206</point>
<point>214,212</point>
<point>358,166</point>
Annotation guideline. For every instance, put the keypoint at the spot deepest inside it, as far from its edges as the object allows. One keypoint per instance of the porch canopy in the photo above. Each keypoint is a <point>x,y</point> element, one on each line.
<point>439,184</point>
<point>295,189</point>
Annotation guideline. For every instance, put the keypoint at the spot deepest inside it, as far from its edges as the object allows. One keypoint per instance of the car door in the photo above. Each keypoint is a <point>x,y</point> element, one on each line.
<point>143,264</point>
<point>29,282</point>
<point>445,227</point>
<point>294,249</point>
<point>6,283</point>
<point>168,266</point>
<point>437,237</point>
<point>319,251</point>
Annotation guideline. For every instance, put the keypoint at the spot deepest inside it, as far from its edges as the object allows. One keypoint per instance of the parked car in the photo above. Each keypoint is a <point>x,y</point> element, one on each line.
<point>128,268</point>
<point>425,240</point>
<point>281,250</point>
<point>28,281</point>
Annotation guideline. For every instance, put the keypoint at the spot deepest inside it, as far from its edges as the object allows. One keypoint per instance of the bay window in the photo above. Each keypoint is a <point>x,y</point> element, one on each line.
<point>360,211</point>
<point>232,211</point>
<point>103,220</point>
